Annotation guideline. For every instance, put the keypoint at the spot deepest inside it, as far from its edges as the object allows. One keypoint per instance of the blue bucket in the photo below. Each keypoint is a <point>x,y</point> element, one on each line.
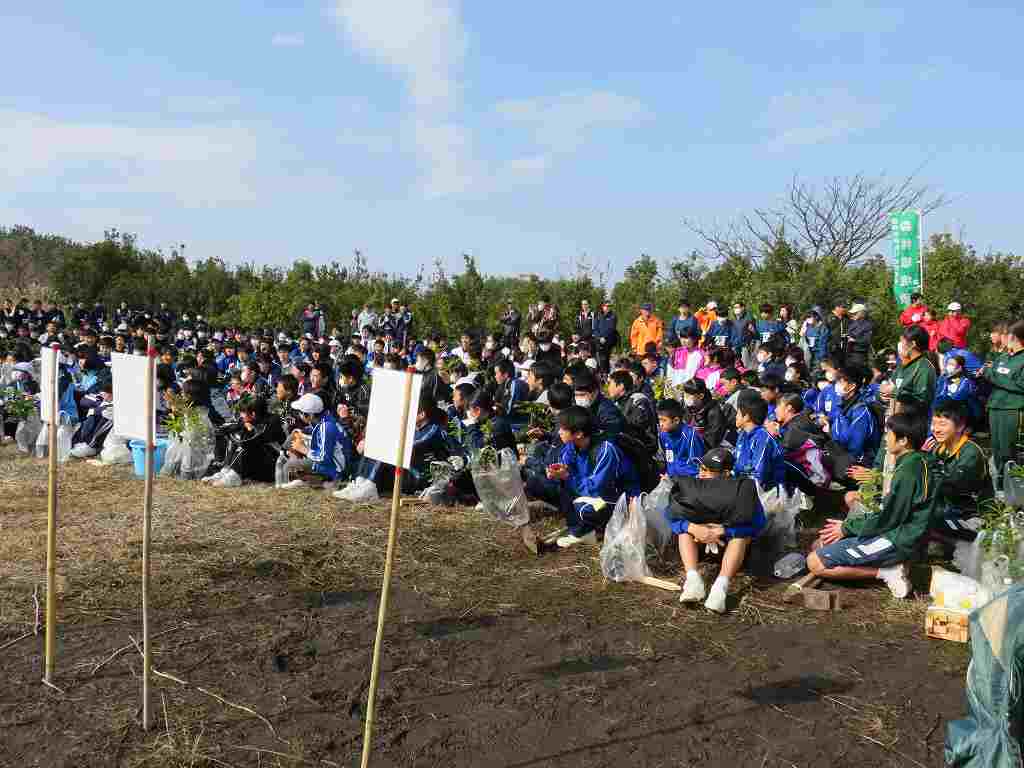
<point>139,455</point>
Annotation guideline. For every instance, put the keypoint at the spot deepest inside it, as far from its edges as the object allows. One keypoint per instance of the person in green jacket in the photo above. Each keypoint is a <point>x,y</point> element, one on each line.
<point>913,381</point>
<point>961,471</point>
<point>1006,403</point>
<point>877,545</point>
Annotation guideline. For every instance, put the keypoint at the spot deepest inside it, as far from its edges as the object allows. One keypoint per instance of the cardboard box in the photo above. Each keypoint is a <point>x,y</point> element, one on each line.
<point>947,624</point>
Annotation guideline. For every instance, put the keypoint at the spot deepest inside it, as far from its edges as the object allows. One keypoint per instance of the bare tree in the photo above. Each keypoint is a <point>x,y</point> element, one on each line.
<point>843,220</point>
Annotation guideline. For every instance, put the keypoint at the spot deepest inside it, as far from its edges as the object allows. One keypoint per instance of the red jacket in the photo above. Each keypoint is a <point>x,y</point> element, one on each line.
<point>913,315</point>
<point>932,326</point>
<point>955,329</point>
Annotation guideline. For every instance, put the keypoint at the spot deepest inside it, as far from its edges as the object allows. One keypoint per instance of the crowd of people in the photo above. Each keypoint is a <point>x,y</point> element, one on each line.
<point>724,407</point>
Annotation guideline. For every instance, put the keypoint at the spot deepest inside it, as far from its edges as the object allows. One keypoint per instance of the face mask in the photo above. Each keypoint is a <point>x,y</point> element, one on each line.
<point>582,401</point>
<point>843,390</point>
<point>737,312</point>
<point>790,361</point>
<point>689,402</point>
<point>953,370</point>
<point>489,345</point>
<point>790,375</point>
<point>902,349</point>
<point>822,385</point>
<point>830,375</point>
<point>763,358</point>
<point>545,347</point>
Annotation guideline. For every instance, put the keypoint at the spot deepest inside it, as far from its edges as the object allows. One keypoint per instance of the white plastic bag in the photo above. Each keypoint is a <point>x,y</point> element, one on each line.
<point>655,506</point>
<point>115,450</point>
<point>43,442</point>
<point>26,433</point>
<point>781,509</point>
<point>1013,487</point>
<point>64,434</point>
<point>956,591</point>
<point>623,554</point>
<point>500,488</point>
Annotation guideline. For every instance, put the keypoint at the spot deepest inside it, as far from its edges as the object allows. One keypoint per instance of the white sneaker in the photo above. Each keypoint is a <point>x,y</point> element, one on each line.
<point>896,579</point>
<point>215,476</point>
<point>344,493</point>
<point>83,451</point>
<point>716,600</point>
<point>693,589</point>
<point>228,479</point>
<point>571,541</point>
<point>294,484</point>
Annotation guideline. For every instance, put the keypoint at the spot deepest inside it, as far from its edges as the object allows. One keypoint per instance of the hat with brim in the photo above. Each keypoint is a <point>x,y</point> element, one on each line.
<point>954,306</point>
<point>717,460</point>
<point>309,404</point>
<point>858,308</point>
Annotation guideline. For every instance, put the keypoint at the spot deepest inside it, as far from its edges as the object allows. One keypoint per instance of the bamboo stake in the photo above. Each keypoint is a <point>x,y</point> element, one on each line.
<point>147,519</point>
<point>386,586</point>
<point>51,526</point>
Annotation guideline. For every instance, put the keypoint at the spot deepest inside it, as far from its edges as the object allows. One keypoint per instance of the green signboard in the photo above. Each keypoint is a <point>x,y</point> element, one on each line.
<point>907,255</point>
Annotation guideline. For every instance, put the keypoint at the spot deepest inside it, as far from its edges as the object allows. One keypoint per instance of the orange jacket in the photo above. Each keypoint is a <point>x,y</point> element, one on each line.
<point>642,332</point>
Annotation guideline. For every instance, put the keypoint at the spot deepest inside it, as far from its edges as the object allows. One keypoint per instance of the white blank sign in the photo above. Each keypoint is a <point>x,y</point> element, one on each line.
<point>384,423</point>
<point>130,395</point>
<point>49,360</point>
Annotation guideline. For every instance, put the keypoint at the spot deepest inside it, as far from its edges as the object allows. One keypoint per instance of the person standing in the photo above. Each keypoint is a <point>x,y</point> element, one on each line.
<point>584,325</point>
<point>838,331</point>
<point>1006,403</point>
<point>860,331</point>
<point>683,324</point>
<point>954,326</point>
<point>647,328</point>
<point>914,314</point>
<point>511,325</point>
<point>742,336</point>
<point>606,335</point>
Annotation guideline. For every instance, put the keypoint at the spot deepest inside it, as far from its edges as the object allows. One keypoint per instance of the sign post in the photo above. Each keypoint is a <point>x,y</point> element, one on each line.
<point>50,411</point>
<point>383,432</point>
<point>906,245</point>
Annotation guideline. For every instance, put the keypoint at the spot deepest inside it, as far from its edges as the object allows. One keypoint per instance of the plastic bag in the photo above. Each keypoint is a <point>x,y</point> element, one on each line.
<point>64,434</point>
<point>1013,487</point>
<point>655,506</point>
<point>782,510</point>
<point>623,554</point>
<point>27,432</point>
<point>43,442</point>
<point>500,487</point>
<point>190,455</point>
<point>956,591</point>
<point>116,451</point>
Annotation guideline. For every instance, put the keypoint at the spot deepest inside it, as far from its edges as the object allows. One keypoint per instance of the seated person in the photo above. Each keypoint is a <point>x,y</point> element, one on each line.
<point>961,470</point>
<point>771,388</point>
<point>703,413</point>
<point>608,420</point>
<point>714,509</point>
<point>319,453</point>
<point>253,445</point>
<point>852,425</point>
<point>956,384</point>
<point>510,390</point>
<point>539,379</point>
<point>593,473</point>
<point>876,545</point>
<point>486,428</point>
<point>99,420</point>
<point>801,440</point>
<point>546,451</point>
<point>639,437</point>
<point>462,394</point>
<point>758,455</point>
<point>680,442</point>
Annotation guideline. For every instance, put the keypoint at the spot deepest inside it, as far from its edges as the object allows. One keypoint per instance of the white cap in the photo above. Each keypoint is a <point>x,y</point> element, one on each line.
<point>712,305</point>
<point>334,343</point>
<point>591,363</point>
<point>466,380</point>
<point>309,403</point>
<point>954,306</point>
<point>858,308</point>
<point>281,336</point>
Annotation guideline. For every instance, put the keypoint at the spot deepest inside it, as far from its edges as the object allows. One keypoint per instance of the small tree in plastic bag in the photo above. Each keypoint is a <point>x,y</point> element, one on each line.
<point>27,432</point>
<point>781,510</point>
<point>190,441</point>
<point>499,486</point>
<point>65,432</point>
<point>623,554</point>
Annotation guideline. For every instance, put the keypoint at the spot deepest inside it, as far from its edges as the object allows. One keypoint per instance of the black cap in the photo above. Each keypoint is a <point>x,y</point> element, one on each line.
<point>717,460</point>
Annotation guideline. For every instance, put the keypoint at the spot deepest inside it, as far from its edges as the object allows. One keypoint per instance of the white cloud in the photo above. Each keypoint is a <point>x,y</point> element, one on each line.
<point>564,123</point>
<point>194,166</point>
<point>816,117</point>
<point>424,43</point>
<point>287,40</point>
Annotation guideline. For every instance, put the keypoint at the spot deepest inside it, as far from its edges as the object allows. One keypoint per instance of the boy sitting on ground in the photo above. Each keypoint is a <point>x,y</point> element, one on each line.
<point>878,544</point>
<point>320,453</point>
<point>680,442</point>
<point>961,469</point>
<point>593,474</point>
<point>714,509</point>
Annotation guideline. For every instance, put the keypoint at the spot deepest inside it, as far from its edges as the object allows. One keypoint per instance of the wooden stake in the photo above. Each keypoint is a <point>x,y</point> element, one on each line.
<point>147,518</point>
<point>51,527</point>
<point>396,495</point>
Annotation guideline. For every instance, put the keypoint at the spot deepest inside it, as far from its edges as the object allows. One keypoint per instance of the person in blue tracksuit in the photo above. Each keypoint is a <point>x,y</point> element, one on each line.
<point>971,364</point>
<point>817,335</point>
<point>680,442</point>
<point>853,424</point>
<point>511,391</point>
<point>828,400</point>
<point>719,333</point>
<point>593,474</point>
<point>758,455</point>
<point>956,384</point>
<point>328,454</point>
<point>683,325</point>
<point>742,332</point>
<point>770,330</point>
<point>608,419</point>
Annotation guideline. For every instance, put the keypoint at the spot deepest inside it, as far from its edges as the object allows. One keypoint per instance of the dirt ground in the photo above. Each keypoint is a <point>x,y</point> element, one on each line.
<point>264,611</point>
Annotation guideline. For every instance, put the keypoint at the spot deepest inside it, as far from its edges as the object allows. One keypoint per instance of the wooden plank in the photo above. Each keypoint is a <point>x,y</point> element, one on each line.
<point>669,586</point>
<point>808,581</point>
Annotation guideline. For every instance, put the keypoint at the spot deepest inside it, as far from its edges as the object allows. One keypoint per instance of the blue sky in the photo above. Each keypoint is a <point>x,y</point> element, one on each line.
<point>525,133</point>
